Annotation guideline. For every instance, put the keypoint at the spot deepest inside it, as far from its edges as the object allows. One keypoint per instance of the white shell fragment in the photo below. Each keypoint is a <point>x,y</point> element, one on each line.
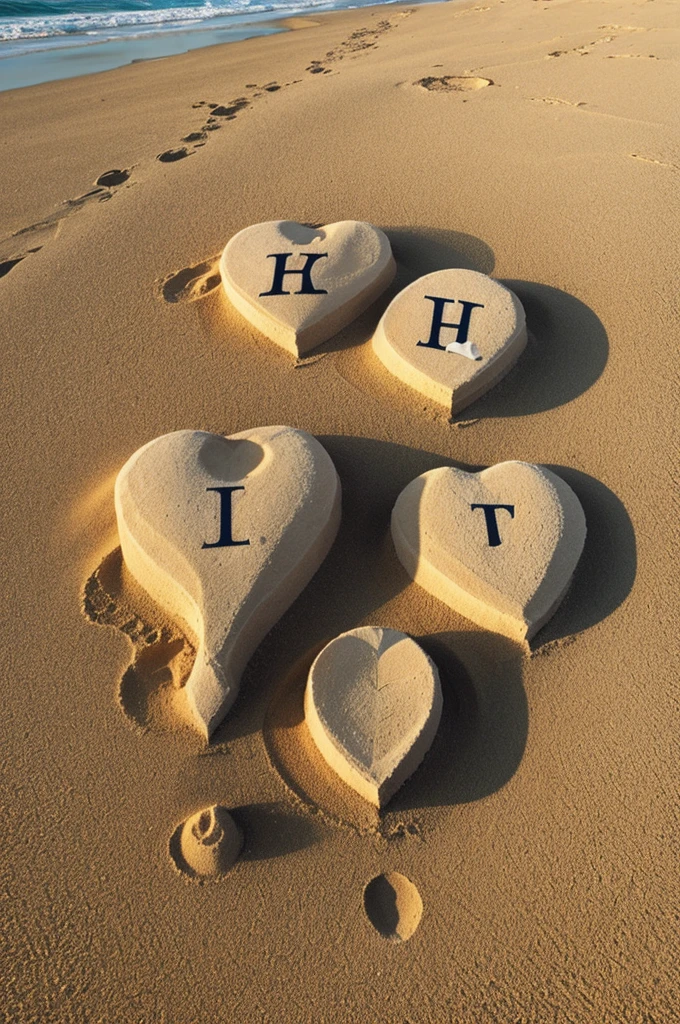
<point>299,285</point>
<point>467,349</point>
<point>449,313</point>
<point>224,533</point>
<point>499,547</point>
<point>210,842</point>
<point>372,705</point>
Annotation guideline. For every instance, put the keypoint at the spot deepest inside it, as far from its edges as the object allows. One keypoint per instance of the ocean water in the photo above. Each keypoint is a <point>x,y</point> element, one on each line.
<point>43,40</point>
<point>24,20</point>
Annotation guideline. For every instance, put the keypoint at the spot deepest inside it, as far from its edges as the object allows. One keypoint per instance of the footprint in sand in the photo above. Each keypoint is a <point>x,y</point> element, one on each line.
<point>35,236</point>
<point>393,906</point>
<point>170,156</point>
<point>10,264</point>
<point>109,179</point>
<point>192,283</point>
<point>621,28</point>
<point>232,109</point>
<point>556,101</point>
<point>653,160</point>
<point>150,690</point>
<point>631,56</point>
<point>453,83</point>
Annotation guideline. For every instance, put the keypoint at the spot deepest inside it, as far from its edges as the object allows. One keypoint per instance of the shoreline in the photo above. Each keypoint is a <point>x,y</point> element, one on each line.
<point>63,60</point>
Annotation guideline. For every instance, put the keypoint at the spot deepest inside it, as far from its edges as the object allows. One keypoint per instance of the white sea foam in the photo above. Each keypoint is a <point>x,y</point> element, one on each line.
<point>102,22</point>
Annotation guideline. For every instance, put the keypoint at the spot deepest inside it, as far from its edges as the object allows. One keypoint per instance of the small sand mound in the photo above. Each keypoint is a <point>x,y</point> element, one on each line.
<point>207,844</point>
<point>193,282</point>
<point>453,83</point>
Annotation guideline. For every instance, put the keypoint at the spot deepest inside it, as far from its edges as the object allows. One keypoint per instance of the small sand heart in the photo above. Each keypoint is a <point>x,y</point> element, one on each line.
<point>224,533</point>
<point>300,285</point>
<point>449,313</point>
<point>372,705</point>
<point>499,547</point>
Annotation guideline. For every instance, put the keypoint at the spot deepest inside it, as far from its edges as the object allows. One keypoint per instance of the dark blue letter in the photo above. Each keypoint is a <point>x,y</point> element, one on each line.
<point>491,524</point>
<point>437,322</point>
<point>225,539</point>
<point>306,272</point>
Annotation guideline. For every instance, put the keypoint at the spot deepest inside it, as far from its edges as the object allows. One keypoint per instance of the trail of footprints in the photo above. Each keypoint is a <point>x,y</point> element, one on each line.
<point>23,243</point>
<point>224,533</point>
<point>29,240</point>
<point>218,113</point>
<point>194,282</point>
<point>358,42</point>
<point>587,48</point>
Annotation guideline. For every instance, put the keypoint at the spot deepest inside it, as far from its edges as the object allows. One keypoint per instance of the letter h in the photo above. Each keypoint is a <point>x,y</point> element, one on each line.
<point>306,273</point>
<point>438,321</point>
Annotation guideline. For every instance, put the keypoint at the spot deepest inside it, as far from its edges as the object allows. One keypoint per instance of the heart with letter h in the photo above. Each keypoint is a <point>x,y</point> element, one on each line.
<point>452,335</point>
<point>299,285</point>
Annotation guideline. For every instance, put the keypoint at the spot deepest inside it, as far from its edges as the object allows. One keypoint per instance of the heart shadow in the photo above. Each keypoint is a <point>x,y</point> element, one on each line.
<point>423,250</point>
<point>485,723</point>
<point>605,574</point>
<point>565,355</point>
<point>272,829</point>
<point>568,347</point>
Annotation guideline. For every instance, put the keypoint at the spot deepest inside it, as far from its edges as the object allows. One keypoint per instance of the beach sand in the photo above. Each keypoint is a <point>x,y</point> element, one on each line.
<point>540,833</point>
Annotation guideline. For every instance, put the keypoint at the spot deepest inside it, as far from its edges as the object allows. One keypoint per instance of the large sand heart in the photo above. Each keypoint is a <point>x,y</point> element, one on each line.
<point>451,335</point>
<point>300,285</point>
<point>499,546</point>
<point>372,705</point>
<point>224,533</point>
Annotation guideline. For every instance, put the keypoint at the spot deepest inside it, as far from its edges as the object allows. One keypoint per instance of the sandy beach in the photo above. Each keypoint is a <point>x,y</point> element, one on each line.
<point>536,141</point>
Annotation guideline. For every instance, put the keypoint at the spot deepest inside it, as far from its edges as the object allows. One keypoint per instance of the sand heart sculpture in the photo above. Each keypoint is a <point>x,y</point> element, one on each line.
<point>451,335</point>
<point>499,546</point>
<point>300,285</point>
<point>372,705</point>
<point>224,533</point>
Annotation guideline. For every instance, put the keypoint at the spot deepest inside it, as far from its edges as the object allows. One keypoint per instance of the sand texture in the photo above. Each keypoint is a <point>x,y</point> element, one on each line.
<point>531,860</point>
